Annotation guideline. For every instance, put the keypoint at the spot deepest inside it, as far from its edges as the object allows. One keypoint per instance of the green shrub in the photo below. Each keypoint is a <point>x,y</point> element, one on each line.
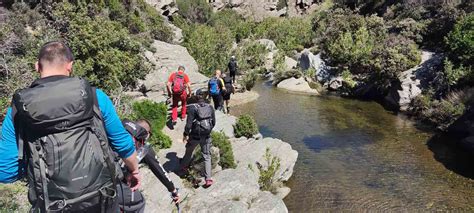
<point>441,113</point>
<point>245,126</point>
<point>104,51</point>
<point>288,33</point>
<point>251,56</point>
<point>230,19</point>
<point>209,46</point>
<point>196,11</point>
<point>453,75</point>
<point>221,141</point>
<point>13,197</point>
<point>267,179</point>
<point>156,114</point>
<point>460,41</point>
<point>249,80</point>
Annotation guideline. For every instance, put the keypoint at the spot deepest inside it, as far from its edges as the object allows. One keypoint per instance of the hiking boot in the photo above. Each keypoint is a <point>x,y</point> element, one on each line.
<point>208,183</point>
<point>174,122</point>
<point>228,110</point>
<point>183,119</point>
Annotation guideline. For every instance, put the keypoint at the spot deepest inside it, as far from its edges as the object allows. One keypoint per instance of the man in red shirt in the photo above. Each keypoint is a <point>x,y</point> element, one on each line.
<point>178,83</point>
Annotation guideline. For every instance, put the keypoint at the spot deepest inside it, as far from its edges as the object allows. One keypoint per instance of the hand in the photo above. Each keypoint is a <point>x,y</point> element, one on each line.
<point>175,196</point>
<point>134,180</point>
<point>185,139</point>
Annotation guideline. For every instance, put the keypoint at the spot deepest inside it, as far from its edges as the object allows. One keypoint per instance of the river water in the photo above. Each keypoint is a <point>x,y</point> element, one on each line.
<point>356,156</point>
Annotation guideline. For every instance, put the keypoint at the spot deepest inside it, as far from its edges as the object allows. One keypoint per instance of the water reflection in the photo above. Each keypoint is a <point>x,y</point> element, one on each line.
<point>355,155</point>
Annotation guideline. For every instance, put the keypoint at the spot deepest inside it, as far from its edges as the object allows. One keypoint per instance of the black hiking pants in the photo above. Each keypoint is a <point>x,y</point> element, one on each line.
<point>218,101</point>
<point>232,75</point>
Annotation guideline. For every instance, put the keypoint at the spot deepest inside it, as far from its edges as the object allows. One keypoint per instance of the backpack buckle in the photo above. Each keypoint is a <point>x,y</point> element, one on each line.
<point>57,205</point>
<point>108,192</point>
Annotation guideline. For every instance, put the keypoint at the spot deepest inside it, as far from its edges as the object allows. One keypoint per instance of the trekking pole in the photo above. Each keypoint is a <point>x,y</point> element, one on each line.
<point>177,203</point>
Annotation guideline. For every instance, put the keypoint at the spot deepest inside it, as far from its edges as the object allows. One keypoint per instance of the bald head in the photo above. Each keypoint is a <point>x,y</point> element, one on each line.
<point>54,58</point>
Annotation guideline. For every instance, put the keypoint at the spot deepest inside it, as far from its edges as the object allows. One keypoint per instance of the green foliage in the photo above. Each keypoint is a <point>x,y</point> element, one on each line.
<point>363,46</point>
<point>348,78</point>
<point>251,56</point>
<point>460,41</point>
<point>209,46</point>
<point>196,11</point>
<point>245,126</point>
<point>287,33</point>
<point>267,179</point>
<point>13,197</point>
<point>104,51</point>
<point>441,113</point>
<point>156,114</point>
<point>249,80</point>
<point>229,19</point>
<point>221,141</point>
<point>453,75</point>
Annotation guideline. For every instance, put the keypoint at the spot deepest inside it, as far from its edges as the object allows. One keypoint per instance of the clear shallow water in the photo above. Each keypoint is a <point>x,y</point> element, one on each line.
<point>356,156</point>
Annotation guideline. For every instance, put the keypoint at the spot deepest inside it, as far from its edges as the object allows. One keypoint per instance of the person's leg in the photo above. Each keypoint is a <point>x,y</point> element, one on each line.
<point>190,146</point>
<point>215,100</point>
<point>232,75</point>
<point>174,113</point>
<point>184,98</point>
<point>205,144</point>
<point>221,102</point>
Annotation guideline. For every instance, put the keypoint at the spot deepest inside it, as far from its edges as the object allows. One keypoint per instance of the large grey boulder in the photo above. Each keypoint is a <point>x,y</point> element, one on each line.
<point>272,51</point>
<point>166,60</point>
<point>297,85</point>
<point>413,81</point>
<point>250,152</point>
<point>165,7</point>
<point>290,63</point>
<point>235,190</point>
<point>225,123</point>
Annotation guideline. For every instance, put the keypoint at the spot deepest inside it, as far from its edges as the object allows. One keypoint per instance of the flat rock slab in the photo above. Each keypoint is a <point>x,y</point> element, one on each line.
<point>298,85</point>
<point>166,60</point>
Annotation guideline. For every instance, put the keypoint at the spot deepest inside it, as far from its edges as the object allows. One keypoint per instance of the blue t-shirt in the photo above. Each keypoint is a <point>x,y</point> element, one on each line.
<point>119,139</point>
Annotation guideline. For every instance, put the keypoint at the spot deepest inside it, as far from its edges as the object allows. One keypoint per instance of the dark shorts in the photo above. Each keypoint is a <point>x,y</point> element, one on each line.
<point>226,96</point>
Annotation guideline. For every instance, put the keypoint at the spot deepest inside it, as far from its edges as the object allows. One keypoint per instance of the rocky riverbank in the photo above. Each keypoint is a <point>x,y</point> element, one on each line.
<point>235,190</point>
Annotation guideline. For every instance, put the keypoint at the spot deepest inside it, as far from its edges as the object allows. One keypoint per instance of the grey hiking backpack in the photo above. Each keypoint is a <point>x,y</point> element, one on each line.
<point>62,140</point>
<point>202,125</point>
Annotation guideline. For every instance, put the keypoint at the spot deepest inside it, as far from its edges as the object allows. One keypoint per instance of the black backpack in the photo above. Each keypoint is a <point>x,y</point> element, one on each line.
<point>232,66</point>
<point>202,125</point>
<point>62,140</point>
<point>228,84</point>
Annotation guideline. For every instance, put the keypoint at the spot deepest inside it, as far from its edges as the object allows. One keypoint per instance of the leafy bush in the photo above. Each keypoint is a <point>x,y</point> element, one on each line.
<point>251,56</point>
<point>209,46</point>
<point>460,41</point>
<point>288,33</point>
<point>13,197</point>
<point>104,51</point>
<point>267,177</point>
<point>249,80</point>
<point>221,141</point>
<point>230,19</point>
<point>441,113</point>
<point>196,11</point>
<point>245,126</point>
<point>156,114</point>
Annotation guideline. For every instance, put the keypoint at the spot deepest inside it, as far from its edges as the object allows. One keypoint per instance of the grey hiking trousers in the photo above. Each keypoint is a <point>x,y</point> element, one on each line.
<point>205,143</point>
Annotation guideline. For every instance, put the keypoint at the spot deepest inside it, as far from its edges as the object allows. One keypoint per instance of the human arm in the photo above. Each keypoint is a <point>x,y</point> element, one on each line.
<point>9,165</point>
<point>189,120</point>
<point>158,171</point>
<point>119,139</point>
<point>169,84</point>
<point>213,117</point>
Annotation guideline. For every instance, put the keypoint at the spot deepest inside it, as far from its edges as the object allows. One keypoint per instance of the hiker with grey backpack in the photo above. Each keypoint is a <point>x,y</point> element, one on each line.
<point>59,133</point>
<point>200,121</point>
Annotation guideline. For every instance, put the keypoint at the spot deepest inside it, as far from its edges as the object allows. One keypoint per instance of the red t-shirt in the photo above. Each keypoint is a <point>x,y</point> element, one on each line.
<point>171,78</point>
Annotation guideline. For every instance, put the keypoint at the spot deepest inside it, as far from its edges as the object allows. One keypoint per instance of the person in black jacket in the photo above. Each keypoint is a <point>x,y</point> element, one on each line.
<point>140,131</point>
<point>201,119</point>
<point>232,65</point>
